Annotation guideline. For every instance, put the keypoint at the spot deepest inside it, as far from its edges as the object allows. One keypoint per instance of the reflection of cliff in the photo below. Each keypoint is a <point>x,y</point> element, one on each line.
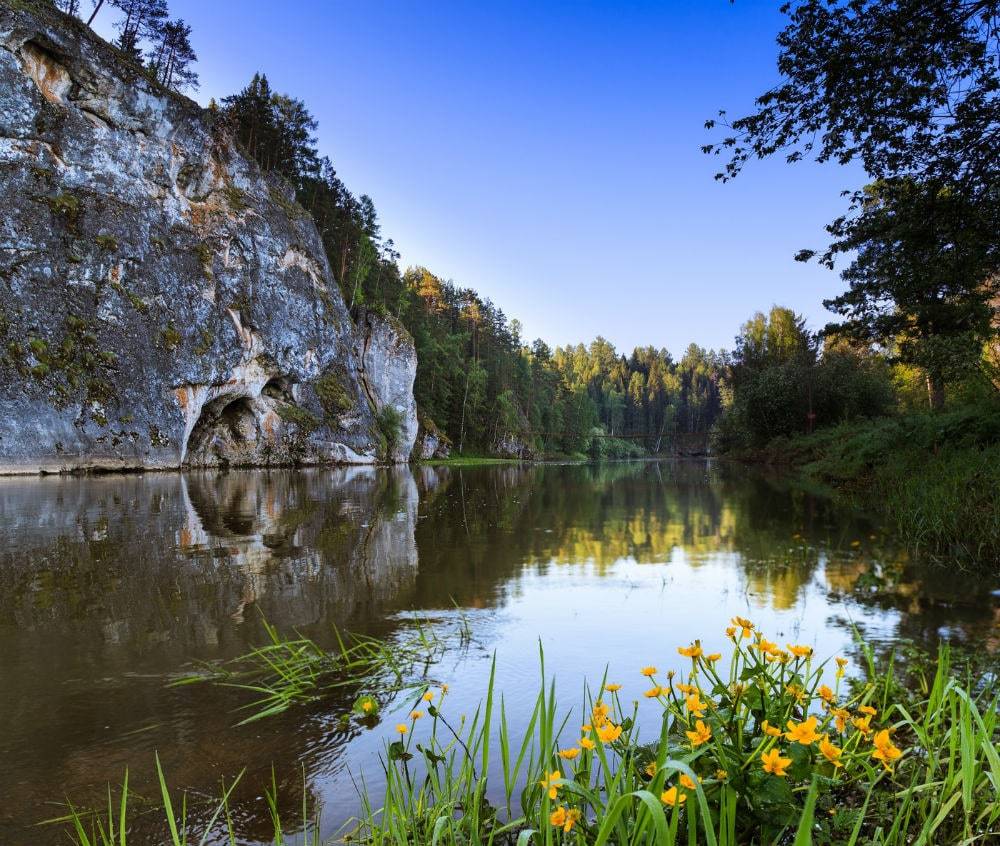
<point>109,585</point>
<point>311,545</point>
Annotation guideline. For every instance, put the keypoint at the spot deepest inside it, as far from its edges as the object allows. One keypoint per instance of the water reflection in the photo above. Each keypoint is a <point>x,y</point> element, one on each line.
<point>109,586</point>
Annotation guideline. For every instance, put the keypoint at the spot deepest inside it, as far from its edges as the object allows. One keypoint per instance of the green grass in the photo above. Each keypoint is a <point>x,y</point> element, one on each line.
<point>942,790</point>
<point>934,476</point>
<point>698,778</point>
<point>470,461</point>
<point>291,671</point>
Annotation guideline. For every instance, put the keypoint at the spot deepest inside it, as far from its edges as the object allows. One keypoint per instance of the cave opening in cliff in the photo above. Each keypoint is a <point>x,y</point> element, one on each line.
<point>279,388</point>
<point>226,424</point>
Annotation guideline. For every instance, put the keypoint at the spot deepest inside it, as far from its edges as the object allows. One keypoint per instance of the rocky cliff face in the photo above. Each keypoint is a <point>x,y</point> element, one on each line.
<point>162,303</point>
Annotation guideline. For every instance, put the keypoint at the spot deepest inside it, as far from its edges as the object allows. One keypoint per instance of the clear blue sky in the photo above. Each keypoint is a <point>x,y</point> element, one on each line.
<point>548,154</point>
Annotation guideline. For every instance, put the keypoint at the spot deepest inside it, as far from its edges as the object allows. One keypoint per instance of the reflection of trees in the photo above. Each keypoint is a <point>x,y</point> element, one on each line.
<point>108,584</point>
<point>480,526</point>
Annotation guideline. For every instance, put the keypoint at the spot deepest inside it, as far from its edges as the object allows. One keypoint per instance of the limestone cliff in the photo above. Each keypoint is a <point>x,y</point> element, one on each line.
<point>162,302</point>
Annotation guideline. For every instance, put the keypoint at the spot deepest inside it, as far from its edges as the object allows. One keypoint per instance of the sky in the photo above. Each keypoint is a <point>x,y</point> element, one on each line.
<point>548,155</point>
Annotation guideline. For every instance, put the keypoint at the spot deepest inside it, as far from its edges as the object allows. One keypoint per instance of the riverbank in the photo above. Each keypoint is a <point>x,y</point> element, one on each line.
<point>763,744</point>
<point>935,477</point>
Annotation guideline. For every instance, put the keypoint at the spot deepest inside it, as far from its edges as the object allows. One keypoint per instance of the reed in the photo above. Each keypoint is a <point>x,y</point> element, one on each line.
<point>757,744</point>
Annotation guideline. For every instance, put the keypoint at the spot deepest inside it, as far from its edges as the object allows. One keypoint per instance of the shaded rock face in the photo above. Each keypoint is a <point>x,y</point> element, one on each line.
<point>162,303</point>
<point>431,442</point>
<point>388,367</point>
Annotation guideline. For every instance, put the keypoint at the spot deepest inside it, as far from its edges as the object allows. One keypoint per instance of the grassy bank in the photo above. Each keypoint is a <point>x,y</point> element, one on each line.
<point>934,476</point>
<point>758,744</point>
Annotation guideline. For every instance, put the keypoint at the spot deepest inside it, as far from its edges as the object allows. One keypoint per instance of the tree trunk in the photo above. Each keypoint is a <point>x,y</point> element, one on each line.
<point>93,15</point>
<point>935,391</point>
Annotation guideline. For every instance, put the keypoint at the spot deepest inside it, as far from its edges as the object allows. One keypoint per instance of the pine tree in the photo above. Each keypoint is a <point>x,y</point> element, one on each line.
<point>172,56</point>
<point>144,21</point>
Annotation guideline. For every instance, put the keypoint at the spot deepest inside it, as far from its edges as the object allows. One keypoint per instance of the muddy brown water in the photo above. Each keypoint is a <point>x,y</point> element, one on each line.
<point>112,586</point>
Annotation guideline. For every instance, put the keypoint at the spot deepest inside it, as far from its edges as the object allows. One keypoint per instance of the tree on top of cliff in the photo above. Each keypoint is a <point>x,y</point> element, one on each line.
<point>144,21</point>
<point>275,129</point>
<point>172,56</point>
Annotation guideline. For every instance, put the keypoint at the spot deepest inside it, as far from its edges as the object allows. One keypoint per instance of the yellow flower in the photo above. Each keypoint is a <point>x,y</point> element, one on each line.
<point>612,688</point>
<point>830,752</point>
<point>686,689</point>
<point>687,782</point>
<point>550,783</point>
<point>653,692</point>
<point>566,819</point>
<point>774,763</point>
<point>649,671</point>
<point>841,663</point>
<point>429,696</point>
<point>804,732</point>
<point>416,715</point>
<point>609,733</point>
<point>569,754</point>
<point>402,728</point>
<point>840,716</point>
<point>730,631</point>
<point>586,727</point>
<point>855,543</point>
<point>721,775</point>
<point>768,729</point>
<point>800,651</point>
<point>825,693</point>
<point>367,705</point>
<point>766,647</point>
<point>444,689</point>
<point>695,705</point>
<point>885,750</point>
<point>867,709</point>
<point>701,734</point>
<point>715,656</point>
<point>672,797</point>
<point>651,769</point>
<point>692,651</point>
<point>796,691</point>
<point>862,724</point>
<point>587,743</point>
<point>743,623</point>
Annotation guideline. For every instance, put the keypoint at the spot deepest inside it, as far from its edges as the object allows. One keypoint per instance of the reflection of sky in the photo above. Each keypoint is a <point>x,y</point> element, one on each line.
<point>623,617</point>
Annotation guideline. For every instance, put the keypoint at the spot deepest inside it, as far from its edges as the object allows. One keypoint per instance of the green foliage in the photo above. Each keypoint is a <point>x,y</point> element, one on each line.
<point>390,422</point>
<point>303,418</point>
<point>332,394</point>
<point>66,206</point>
<point>760,752</point>
<point>107,242</point>
<point>936,476</point>
<point>170,336</point>
<point>780,384</point>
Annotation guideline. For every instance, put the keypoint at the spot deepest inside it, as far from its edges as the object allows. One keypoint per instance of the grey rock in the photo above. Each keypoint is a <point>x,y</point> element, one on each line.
<point>162,302</point>
<point>388,366</point>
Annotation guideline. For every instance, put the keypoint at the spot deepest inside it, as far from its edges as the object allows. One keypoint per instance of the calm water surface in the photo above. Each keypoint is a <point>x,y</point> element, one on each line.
<point>112,586</point>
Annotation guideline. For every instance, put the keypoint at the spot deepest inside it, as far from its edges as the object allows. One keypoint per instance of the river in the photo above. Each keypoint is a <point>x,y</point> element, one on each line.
<point>112,586</point>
